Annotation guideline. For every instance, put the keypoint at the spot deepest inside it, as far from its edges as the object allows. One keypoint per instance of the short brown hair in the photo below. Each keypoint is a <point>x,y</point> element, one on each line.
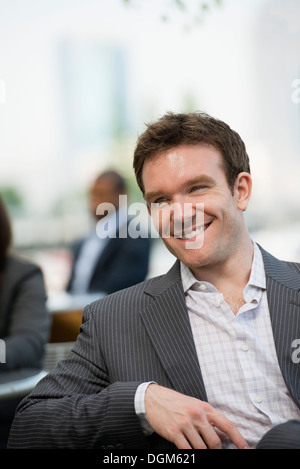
<point>173,130</point>
<point>5,234</point>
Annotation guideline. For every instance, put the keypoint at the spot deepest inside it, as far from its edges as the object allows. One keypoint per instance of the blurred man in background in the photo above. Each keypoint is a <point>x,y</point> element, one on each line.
<point>110,263</point>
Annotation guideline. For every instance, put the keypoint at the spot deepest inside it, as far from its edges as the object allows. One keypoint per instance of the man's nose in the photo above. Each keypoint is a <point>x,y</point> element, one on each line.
<point>183,211</point>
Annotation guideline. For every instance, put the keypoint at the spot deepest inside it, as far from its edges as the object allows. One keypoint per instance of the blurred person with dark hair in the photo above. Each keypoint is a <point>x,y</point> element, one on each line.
<point>111,263</point>
<point>24,319</point>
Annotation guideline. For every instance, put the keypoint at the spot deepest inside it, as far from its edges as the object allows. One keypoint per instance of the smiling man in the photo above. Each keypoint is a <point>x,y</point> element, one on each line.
<point>200,357</point>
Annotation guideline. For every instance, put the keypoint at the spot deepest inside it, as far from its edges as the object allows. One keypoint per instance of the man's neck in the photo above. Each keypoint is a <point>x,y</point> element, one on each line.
<point>231,275</point>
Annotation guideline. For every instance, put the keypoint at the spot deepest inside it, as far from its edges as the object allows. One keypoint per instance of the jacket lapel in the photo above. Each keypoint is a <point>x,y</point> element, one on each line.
<point>167,323</point>
<point>283,291</point>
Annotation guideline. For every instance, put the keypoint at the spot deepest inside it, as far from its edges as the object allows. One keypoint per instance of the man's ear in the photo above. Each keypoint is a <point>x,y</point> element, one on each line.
<point>243,189</point>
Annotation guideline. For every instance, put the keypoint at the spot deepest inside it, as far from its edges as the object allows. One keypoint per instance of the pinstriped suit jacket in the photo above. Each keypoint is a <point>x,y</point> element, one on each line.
<point>139,334</point>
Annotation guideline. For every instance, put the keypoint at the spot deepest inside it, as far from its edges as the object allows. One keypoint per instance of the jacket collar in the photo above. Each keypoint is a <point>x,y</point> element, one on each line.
<point>280,271</point>
<point>159,285</point>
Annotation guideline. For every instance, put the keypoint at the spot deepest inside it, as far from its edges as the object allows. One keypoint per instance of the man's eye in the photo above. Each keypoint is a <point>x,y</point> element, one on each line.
<point>159,205</point>
<point>198,188</point>
<point>161,200</point>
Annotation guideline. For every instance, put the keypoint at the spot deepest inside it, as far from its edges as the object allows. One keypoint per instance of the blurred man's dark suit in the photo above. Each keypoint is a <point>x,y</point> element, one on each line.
<point>123,262</point>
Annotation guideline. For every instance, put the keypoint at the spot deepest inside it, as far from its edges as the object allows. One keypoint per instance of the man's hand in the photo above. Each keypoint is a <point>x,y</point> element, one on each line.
<point>188,422</point>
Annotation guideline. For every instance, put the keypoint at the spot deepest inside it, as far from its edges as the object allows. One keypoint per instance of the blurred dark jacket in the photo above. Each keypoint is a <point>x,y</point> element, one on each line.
<point>124,262</point>
<point>24,319</point>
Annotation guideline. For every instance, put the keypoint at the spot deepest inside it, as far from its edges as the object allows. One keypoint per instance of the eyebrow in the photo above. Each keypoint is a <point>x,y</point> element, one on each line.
<point>203,179</point>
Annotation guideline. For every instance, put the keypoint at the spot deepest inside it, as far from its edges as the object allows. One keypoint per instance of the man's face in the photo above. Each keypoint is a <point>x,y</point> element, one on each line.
<point>193,176</point>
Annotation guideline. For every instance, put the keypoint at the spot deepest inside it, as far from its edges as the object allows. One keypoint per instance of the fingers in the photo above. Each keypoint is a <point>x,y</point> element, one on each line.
<point>191,438</point>
<point>201,435</point>
<point>225,427</point>
<point>208,437</point>
<point>211,438</point>
<point>188,422</point>
<point>220,434</point>
<point>234,435</point>
<point>196,433</point>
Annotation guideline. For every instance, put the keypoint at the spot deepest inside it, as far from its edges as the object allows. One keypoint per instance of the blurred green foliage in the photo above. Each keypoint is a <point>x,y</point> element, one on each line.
<point>12,198</point>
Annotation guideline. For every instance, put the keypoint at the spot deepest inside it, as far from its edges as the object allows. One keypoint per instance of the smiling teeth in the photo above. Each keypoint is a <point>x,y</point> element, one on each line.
<point>194,233</point>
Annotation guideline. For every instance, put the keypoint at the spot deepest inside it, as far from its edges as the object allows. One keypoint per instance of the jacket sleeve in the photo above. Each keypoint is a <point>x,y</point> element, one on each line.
<point>28,323</point>
<point>76,406</point>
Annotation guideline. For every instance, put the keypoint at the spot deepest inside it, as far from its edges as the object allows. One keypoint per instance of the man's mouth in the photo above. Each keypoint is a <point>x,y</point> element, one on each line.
<point>192,234</point>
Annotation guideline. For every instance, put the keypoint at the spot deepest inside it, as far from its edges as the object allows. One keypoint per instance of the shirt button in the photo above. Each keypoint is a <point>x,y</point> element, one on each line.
<point>202,287</point>
<point>245,347</point>
<point>217,303</point>
<point>258,399</point>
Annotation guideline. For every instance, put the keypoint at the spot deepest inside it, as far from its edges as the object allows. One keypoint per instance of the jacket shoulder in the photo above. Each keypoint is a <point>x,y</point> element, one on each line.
<point>20,268</point>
